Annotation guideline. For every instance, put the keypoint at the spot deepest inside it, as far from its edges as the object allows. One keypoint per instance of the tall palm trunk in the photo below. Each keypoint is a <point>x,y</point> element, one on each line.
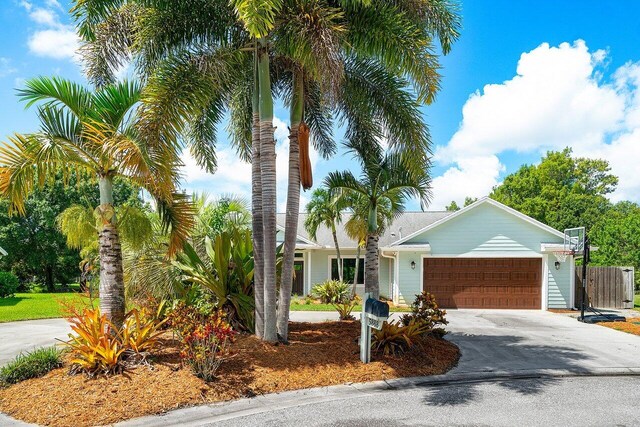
<point>256,221</point>
<point>334,233</point>
<point>111,274</point>
<point>268,181</point>
<point>371,261</point>
<point>293,208</point>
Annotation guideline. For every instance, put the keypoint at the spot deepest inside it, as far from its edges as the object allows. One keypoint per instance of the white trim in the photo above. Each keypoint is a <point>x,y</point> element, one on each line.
<point>299,237</point>
<point>544,298</point>
<point>572,282</point>
<point>343,257</point>
<point>308,282</point>
<point>489,255</point>
<point>3,252</point>
<point>390,280</point>
<point>475,205</point>
<point>423,247</point>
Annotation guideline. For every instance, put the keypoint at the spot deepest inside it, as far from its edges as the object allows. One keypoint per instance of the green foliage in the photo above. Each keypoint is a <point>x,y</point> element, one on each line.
<point>37,249</point>
<point>322,209</point>
<point>33,364</point>
<point>426,311</point>
<point>617,236</point>
<point>332,292</point>
<point>562,191</point>
<point>394,338</point>
<point>8,284</point>
<point>226,271</point>
<point>205,338</point>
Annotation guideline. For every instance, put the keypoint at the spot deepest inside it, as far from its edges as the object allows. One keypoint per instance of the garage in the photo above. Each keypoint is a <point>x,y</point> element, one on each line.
<point>509,283</point>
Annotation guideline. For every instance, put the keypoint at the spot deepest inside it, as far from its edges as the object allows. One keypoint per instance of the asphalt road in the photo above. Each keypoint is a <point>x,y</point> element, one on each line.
<point>585,401</point>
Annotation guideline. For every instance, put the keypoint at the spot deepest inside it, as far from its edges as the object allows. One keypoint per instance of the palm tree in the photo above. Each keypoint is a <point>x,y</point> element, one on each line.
<point>385,185</point>
<point>200,57</point>
<point>323,210</point>
<point>93,133</point>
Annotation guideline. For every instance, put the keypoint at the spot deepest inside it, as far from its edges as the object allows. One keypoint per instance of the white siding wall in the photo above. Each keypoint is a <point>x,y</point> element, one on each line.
<point>409,280</point>
<point>320,267</point>
<point>560,283</point>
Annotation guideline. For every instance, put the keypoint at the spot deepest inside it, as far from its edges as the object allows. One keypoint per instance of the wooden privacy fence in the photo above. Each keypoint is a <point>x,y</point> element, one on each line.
<point>607,287</point>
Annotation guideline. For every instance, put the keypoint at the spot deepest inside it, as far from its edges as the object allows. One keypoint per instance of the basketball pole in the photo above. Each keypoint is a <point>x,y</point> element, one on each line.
<point>585,260</point>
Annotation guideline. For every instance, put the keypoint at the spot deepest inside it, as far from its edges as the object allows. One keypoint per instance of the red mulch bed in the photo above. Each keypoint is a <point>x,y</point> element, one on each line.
<point>319,354</point>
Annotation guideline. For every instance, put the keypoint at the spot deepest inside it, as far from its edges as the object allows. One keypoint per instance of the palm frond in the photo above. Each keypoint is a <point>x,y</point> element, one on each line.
<point>78,224</point>
<point>258,16</point>
<point>56,91</point>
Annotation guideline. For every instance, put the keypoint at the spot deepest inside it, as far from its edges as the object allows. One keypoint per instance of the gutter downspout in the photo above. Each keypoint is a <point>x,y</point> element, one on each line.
<point>392,283</point>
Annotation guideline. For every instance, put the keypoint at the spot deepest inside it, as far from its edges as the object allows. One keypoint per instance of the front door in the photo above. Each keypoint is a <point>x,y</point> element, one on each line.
<point>298,278</point>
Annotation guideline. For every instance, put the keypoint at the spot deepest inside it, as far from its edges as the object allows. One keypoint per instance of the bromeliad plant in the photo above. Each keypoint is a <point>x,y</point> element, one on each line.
<point>425,309</point>
<point>98,347</point>
<point>394,338</point>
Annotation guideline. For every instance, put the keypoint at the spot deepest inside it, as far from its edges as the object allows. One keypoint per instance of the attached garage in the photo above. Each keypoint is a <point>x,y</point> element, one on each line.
<point>510,283</point>
<point>485,256</point>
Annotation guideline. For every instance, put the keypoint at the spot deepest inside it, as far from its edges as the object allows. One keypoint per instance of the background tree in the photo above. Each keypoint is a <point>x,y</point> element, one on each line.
<point>617,236</point>
<point>562,191</point>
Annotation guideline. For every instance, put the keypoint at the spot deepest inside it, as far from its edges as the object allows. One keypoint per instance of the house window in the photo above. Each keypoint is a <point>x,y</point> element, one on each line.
<point>348,269</point>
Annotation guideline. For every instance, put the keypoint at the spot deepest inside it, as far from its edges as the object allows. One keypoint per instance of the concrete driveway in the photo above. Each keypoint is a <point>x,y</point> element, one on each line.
<point>521,340</point>
<point>16,337</point>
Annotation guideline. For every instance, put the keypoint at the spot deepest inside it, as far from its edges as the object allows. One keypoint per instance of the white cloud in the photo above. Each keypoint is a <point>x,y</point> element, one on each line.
<point>54,43</point>
<point>557,98</point>
<point>234,176</point>
<point>44,17</point>
<point>5,67</point>
<point>52,38</point>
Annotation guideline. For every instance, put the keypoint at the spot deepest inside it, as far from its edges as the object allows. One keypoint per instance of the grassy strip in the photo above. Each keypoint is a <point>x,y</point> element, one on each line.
<point>329,307</point>
<point>31,365</point>
<point>28,306</point>
<point>636,302</point>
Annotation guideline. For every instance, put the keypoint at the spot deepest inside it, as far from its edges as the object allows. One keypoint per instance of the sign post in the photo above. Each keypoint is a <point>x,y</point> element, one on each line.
<point>374,314</point>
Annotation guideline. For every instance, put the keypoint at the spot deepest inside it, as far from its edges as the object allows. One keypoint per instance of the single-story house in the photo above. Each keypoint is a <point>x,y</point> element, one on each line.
<point>486,255</point>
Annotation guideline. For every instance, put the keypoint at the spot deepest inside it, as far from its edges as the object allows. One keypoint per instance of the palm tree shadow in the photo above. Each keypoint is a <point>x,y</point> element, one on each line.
<point>451,395</point>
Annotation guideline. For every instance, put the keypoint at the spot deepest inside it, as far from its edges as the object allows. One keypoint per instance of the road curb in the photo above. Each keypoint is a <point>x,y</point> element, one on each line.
<point>211,413</point>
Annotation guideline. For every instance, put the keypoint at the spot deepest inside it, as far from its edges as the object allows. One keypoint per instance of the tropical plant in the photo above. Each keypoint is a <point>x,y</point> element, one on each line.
<point>425,309</point>
<point>394,338</point>
<point>205,338</point>
<point>94,134</point>
<point>8,284</point>
<point>332,291</point>
<point>33,364</point>
<point>227,271</point>
<point>386,182</point>
<point>323,210</point>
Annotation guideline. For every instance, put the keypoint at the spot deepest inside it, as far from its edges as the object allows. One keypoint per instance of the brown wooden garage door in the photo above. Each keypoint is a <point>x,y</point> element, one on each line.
<point>484,282</point>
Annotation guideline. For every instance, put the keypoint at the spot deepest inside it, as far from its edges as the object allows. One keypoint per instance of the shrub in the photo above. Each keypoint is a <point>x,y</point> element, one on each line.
<point>99,348</point>
<point>205,338</point>
<point>425,309</point>
<point>8,284</point>
<point>332,292</point>
<point>31,365</point>
<point>394,338</point>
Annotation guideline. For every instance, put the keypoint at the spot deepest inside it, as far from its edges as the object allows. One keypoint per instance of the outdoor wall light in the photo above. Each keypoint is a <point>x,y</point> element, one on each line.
<point>557,264</point>
<point>413,265</point>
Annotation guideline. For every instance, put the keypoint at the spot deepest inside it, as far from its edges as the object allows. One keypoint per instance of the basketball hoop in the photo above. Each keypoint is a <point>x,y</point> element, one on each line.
<point>561,256</point>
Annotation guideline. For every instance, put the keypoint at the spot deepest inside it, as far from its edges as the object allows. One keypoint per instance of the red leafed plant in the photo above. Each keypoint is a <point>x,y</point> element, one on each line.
<point>205,338</point>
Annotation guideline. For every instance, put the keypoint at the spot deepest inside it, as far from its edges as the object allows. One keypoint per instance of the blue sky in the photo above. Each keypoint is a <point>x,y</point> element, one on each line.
<point>524,78</point>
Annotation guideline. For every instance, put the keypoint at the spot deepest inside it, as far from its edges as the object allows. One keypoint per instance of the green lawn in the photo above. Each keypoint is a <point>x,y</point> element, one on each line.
<point>329,307</point>
<point>37,306</point>
<point>636,302</point>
